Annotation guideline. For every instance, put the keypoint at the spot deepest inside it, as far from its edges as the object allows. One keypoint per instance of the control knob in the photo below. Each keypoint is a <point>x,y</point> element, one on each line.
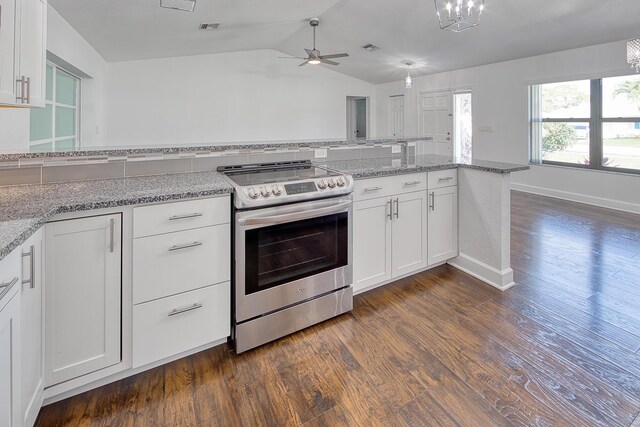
<point>276,190</point>
<point>341,182</point>
<point>322,184</point>
<point>251,192</point>
<point>265,192</point>
<point>332,183</point>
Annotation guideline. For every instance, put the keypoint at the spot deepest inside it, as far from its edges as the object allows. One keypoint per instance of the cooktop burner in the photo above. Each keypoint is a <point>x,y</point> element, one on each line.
<point>266,184</point>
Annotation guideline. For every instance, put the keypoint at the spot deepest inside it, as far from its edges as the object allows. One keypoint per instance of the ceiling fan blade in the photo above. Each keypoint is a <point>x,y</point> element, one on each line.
<point>304,63</point>
<point>290,57</point>
<point>326,61</point>
<point>332,56</point>
<point>311,53</point>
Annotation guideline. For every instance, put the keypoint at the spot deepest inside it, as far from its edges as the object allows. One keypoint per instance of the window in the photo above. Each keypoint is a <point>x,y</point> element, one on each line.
<point>462,118</point>
<point>592,124</point>
<point>55,127</point>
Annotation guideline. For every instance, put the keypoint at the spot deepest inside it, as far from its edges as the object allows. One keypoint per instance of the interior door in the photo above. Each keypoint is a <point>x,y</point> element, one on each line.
<point>443,224</point>
<point>435,121</point>
<point>396,119</point>
<point>83,296</point>
<point>409,228</point>
<point>371,242</point>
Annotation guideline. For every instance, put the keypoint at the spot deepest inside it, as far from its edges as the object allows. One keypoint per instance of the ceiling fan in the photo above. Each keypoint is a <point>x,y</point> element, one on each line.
<point>314,57</point>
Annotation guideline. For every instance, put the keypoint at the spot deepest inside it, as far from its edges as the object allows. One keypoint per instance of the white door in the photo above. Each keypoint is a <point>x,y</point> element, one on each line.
<point>409,230</point>
<point>396,116</point>
<point>10,410</point>
<point>435,121</point>
<point>82,296</point>
<point>33,52</point>
<point>371,242</point>
<point>8,40</point>
<point>443,224</point>
<point>31,327</point>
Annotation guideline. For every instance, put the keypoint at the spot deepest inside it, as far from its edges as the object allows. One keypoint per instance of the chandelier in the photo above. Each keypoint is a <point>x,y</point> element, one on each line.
<point>633,54</point>
<point>459,15</point>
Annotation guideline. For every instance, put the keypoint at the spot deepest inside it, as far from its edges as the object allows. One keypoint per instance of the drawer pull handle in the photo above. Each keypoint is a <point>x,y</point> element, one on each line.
<point>185,216</point>
<point>412,183</point>
<point>6,287</point>
<point>449,178</point>
<point>185,246</point>
<point>372,189</point>
<point>184,310</point>
<point>32,267</point>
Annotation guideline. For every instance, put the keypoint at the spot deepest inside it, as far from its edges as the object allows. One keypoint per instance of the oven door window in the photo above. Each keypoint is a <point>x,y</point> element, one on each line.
<point>282,253</point>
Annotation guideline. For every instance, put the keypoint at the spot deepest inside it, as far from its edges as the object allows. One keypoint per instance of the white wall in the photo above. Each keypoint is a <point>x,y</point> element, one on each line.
<point>500,101</point>
<point>67,44</point>
<point>227,97</point>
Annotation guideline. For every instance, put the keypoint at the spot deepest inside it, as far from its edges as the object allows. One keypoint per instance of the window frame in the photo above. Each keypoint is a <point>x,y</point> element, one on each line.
<point>54,103</point>
<point>596,122</point>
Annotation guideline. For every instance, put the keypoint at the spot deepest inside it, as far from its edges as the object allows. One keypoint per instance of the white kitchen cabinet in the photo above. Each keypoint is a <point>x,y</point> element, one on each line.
<point>82,296</point>
<point>389,238</point>
<point>31,313</point>
<point>23,32</point>
<point>371,242</point>
<point>409,242</point>
<point>10,371</point>
<point>8,41</point>
<point>443,215</point>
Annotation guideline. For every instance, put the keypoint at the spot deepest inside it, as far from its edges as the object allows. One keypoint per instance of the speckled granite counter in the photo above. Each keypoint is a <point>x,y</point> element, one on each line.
<point>25,208</point>
<point>371,168</point>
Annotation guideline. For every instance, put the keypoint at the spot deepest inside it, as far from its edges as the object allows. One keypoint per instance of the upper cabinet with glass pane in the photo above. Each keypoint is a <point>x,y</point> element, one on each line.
<point>23,26</point>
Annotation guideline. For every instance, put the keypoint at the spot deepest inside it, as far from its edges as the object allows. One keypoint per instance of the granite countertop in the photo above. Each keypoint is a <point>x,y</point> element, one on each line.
<point>377,167</point>
<point>25,208</point>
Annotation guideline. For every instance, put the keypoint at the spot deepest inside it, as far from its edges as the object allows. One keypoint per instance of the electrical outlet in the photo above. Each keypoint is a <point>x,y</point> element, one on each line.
<point>320,153</point>
<point>395,149</point>
<point>485,128</point>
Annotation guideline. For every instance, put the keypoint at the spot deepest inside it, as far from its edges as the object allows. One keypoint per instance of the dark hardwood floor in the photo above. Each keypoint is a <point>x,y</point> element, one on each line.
<point>436,349</point>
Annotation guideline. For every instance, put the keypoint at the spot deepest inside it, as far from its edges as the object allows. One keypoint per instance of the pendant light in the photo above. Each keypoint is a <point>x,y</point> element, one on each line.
<point>408,80</point>
<point>633,54</point>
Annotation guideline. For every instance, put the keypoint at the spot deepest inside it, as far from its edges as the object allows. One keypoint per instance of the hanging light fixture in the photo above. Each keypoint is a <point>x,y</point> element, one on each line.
<point>459,15</point>
<point>408,81</point>
<point>633,54</point>
<point>186,5</point>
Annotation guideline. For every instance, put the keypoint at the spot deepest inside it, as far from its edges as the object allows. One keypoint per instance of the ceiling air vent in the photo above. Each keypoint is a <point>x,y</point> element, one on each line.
<point>209,26</point>
<point>370,47</point>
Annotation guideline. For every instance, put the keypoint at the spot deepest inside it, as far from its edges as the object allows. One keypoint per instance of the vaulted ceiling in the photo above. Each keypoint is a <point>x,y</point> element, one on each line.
<point>123,30</point>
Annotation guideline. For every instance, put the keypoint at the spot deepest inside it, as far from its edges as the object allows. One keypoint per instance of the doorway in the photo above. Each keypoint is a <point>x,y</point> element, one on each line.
<point>396,116</point>
<point>357,117</point>
<point>463,126</point>
<point>435,122</point>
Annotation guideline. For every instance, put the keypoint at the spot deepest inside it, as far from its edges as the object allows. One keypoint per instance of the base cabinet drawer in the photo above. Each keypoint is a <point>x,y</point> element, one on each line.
<point>172,325</point>
<point>443,178</point>
<point>172,263</point>
<point>387,186</point>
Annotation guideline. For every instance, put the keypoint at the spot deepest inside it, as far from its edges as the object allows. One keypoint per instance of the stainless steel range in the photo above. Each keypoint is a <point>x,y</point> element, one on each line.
<point>293,248</point>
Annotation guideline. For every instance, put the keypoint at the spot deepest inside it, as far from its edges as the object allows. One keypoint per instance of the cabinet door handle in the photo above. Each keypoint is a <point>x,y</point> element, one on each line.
<point>185,246</point>
<point>28,84</point>
<point>112,226</point>
<point>32,267</point>
<point>449,178</point>
<point>397,208</point>
<point>432,203</point>
<point>185,216</point>
<point>389,209</point>
<point>20,96</point>
<point>372,189</point>
<point>411,183</point>
<point>184,310</point>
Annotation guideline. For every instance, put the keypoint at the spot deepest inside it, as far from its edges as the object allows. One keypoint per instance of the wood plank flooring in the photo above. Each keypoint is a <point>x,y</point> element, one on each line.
<point>436,349</point>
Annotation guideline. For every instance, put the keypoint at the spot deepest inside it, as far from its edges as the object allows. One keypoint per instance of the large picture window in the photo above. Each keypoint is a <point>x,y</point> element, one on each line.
<point>56,126</point>
<point>591,124</point>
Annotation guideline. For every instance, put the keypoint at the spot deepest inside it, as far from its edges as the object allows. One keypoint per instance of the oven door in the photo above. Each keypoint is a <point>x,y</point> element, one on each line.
<point>291,253</point>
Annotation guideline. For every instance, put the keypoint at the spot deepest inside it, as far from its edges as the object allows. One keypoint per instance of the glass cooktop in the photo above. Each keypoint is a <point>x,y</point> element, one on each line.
<point>249,175</point>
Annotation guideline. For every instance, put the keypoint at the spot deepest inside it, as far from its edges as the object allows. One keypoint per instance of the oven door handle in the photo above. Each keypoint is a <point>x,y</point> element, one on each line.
<point>295,216</point>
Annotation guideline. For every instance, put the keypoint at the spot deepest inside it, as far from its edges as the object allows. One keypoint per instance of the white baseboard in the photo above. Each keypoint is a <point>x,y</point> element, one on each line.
<point>502,280</point>
<point>577,197</point>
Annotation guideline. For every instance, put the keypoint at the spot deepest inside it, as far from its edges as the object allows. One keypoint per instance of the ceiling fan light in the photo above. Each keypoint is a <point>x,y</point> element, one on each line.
<point>314,61</point>
<point>185,5</point>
